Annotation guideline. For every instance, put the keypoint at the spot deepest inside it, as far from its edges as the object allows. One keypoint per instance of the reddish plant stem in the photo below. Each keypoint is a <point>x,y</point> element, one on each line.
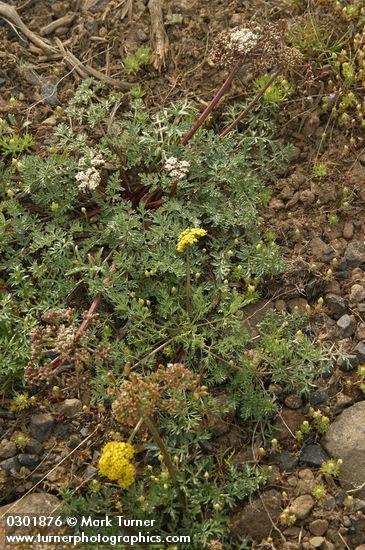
<point>209,108</point>
<point>94,306</point>
<point>58,361</point>
<point>250,105</point>
<point>90,214</point>
<point>155,204</point>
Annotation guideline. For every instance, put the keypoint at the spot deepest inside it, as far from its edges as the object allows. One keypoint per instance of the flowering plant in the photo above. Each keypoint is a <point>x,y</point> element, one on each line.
<point>115,463</point>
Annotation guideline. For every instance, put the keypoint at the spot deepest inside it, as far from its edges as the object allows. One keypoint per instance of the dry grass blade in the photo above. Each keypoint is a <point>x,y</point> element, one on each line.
<point>86,5</point>
<point>160,41</point>
<point>86,70</point>
<point>127,9</point>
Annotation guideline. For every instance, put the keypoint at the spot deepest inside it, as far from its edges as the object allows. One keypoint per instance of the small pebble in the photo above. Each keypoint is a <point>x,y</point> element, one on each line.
<point>34,447</point>
<point>317,542</point>
<point>329,503</point>
<point>318,397</point>
<point>318,527</point>
<point>70,407</point>
<point>141,35</point>
<point>357,274</point>
<point>29,460</point>
<point>302,506</point>
<point>7,449</point>
<point>346,521</point>
<point>346,325</point>
<point>357,293</point>
<point>41,426</point>
<point>348,230</point>
<point>293,401</point>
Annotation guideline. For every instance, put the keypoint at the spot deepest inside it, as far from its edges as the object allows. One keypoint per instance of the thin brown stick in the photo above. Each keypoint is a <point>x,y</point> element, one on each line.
<point>127,9</point>
<point>10,14</point>
<point>159,38</point>
<point>251,104</point>
<point>90,71</point>
<point>62,21</point>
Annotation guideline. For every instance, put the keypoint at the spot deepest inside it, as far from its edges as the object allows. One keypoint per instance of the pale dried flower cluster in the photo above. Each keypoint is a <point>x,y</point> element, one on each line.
<point>159,390</point>
<point>177,169</point>
<point>243,40</point>
<point>57,337</point>
<point>89,177</point>
<point>262,45</point>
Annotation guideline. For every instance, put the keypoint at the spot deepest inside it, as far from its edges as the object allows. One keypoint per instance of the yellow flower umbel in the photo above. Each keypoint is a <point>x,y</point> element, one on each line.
<point>189,237</point>
<point>115,464</point>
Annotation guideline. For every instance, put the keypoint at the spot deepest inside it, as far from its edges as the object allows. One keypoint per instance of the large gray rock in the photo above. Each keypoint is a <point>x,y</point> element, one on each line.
<point>355,254</point>
<point>336,305</point>
<point>256,518</point>
<point>345,439</point>
<point>41,504</point>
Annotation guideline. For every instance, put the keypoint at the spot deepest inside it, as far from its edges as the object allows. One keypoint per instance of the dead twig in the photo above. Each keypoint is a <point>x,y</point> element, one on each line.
<point>159,38</point>
<point>127,9</point>
<point>61,22</point>
<point>10,15</point>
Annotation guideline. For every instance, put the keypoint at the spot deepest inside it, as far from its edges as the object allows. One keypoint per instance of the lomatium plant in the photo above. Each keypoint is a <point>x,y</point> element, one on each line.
<point>134,242</point>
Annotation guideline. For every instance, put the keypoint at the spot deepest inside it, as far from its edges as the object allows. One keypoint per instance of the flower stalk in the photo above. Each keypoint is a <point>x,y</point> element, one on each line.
<point>209,108</point>
<point>252,103</point>
<point>166,457</point>
<point>188,280</point>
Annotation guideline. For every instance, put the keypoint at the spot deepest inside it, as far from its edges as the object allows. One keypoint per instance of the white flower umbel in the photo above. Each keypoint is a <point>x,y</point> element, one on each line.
<point>177,169</point>
<point>243,40</point>
<point>89,178</point>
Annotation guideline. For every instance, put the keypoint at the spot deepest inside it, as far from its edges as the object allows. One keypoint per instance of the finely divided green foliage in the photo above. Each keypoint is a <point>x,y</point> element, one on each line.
<point>58,243</point>
<point>13,141</point>
<point>54,255</point>
<point>140,58</point>
<point>209,500</point>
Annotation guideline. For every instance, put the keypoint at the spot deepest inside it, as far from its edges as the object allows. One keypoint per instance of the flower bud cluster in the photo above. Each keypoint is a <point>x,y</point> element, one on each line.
<point>144,394</point>
<point>115,463</point>
<point>177,169</point>
<point>89,177</point>
<point>262,45</point>
<point>58,338</point>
